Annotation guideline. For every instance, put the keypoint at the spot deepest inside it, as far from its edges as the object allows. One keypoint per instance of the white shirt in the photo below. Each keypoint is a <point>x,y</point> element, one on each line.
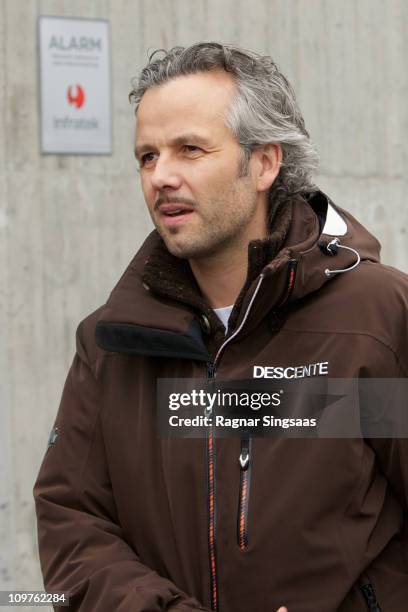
<point>224,314</point>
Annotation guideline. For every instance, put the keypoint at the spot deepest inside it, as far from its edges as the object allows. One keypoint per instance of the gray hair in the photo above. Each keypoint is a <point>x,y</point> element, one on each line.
<point>264,110</point>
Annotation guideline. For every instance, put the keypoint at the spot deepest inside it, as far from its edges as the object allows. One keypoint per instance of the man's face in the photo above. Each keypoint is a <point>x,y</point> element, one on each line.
<point>189,165</point>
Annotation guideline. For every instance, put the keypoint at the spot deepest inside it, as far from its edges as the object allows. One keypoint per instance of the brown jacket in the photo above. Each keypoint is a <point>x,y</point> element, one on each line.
<point>128,521</point>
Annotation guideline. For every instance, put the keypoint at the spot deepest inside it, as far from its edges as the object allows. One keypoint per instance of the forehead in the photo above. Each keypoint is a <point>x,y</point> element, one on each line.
<point>186,102</point>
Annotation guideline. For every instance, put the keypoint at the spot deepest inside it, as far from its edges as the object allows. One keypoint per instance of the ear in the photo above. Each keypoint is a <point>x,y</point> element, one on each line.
<point>269,161</point>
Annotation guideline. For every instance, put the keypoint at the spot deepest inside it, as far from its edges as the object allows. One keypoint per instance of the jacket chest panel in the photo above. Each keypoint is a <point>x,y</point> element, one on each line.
<point>158,483</point>
<point>293,354</point>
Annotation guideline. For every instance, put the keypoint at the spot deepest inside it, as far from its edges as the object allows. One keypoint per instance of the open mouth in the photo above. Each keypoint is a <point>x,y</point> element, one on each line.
<point>176,213</point>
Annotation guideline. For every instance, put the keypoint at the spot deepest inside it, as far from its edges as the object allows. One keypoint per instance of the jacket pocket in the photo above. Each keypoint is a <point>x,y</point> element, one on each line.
<point>244,489</point>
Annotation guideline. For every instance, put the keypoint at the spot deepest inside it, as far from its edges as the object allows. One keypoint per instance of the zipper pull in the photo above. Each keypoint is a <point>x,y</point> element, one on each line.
<point>244,456</point>
<point>370,597</point>
<point>210,369</point>
<point>244,485</point>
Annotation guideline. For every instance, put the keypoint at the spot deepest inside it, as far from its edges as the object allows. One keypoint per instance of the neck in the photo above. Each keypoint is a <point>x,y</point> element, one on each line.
<point>221,276</point>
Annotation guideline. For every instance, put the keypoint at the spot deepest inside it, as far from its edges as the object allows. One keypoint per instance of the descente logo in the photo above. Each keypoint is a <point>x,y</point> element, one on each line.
<point>321,368</point>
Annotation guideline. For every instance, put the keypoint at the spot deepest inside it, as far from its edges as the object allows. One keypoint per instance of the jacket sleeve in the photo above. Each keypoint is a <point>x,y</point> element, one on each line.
<point>82,547</point>
<point>392,459</point>
<point>392,452</point>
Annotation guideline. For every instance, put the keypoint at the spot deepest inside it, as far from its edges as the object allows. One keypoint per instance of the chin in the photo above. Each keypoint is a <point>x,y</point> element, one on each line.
<point>187,245</point>
<point>184,250</point>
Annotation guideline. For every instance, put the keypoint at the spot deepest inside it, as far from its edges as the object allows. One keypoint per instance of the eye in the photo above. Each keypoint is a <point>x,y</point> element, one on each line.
<point>145,159</point>
<point>192,148</point>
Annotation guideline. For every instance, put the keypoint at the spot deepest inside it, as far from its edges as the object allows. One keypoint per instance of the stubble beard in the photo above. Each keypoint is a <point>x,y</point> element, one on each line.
<point>216,233</point>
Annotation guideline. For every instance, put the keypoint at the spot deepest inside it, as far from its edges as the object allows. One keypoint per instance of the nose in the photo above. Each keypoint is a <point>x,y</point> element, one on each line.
<point>165,175</point>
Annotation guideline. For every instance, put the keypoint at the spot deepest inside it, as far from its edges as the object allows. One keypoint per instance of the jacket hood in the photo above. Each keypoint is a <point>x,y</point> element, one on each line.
<point>335,245</point>
<point>323,242</point>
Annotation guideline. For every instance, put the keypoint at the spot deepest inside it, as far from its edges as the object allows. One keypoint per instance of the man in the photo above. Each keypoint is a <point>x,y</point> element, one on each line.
<point>131,521</point>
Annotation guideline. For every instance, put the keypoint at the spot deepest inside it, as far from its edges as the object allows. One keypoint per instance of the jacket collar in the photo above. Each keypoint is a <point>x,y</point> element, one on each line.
<point>156,307</point>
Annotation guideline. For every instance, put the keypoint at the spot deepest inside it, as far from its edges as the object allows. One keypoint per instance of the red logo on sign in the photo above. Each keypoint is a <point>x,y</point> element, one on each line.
<point>76,95</point>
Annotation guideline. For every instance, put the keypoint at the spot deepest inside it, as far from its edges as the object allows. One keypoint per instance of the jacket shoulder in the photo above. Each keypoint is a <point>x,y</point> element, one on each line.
<point>370,301</point>
<point>385,285</point>
<point>375,302</point>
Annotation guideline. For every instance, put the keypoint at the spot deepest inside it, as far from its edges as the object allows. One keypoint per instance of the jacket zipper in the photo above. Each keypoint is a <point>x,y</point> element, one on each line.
<point>211,475</point>
<point>244,458</point>
<point>245,481</point>
<point>211,505</point>
<point>370,597</point>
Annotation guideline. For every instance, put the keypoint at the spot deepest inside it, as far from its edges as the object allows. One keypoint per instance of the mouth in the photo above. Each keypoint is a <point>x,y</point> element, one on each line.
<point>172,214</point>
<point>176,213</point>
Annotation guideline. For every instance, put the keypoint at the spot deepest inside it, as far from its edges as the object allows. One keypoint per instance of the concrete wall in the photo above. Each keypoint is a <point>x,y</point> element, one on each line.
<point>70,224</point>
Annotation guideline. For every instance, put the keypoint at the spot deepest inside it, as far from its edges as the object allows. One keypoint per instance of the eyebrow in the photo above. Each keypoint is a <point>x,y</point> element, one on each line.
<point>179,140</point>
